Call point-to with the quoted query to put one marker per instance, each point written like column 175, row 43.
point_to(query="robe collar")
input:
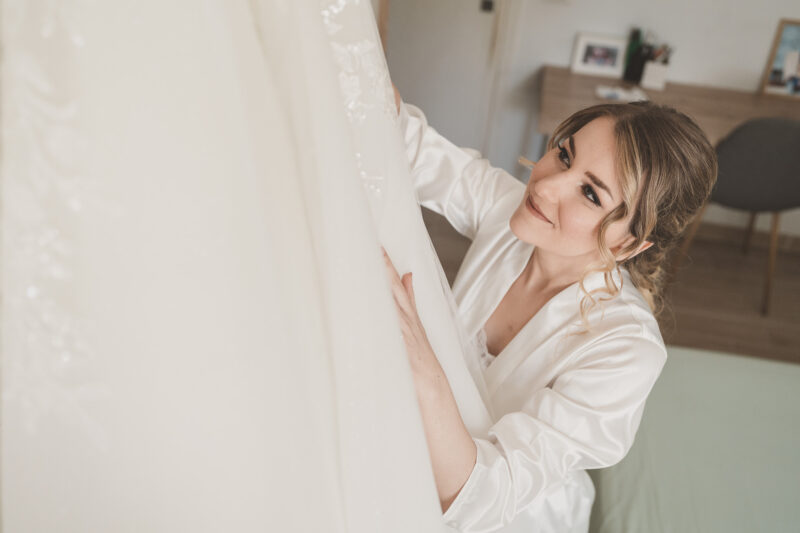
column 555, row 315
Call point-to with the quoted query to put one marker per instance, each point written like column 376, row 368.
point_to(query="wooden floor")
column 715, row 300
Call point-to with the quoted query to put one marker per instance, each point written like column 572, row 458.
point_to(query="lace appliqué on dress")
column 49, row 340
column 365, row 85
column 486, row 357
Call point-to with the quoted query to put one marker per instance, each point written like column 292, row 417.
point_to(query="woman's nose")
column 549, row 187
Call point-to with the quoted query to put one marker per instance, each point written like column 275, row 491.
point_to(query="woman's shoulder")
column 624, row 322
column 634, row 302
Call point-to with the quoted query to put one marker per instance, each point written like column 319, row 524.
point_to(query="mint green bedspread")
column 718, row 449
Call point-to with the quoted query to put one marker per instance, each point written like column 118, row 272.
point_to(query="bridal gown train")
column 197, row 329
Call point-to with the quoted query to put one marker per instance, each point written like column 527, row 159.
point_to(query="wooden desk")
column 716, row 111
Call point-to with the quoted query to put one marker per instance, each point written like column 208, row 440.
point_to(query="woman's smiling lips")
column 534, row 209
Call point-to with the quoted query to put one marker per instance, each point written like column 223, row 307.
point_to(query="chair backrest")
column 759, row 166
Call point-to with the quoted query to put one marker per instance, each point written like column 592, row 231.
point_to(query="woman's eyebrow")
column 597, row 181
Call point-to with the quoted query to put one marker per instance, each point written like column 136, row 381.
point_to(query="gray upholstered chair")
column 759, row 170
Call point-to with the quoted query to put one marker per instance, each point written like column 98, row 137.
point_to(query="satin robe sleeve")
column 455, row 182
column 587, row 419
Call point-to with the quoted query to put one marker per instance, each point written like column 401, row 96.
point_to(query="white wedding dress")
column 197, row 328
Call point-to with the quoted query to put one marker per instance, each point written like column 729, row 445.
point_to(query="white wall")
column 439, row 54
column 440, row 57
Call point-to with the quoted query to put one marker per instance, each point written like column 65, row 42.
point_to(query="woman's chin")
column 520, row 227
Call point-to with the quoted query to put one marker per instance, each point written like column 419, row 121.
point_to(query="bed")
column 718, row 449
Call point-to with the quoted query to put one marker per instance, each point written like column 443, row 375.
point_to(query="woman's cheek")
column 578, row 226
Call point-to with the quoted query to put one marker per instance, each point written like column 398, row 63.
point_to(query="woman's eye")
column 563, row 155
column 588, row 191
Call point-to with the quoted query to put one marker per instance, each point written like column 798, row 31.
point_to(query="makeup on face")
column 589, row 191
column 567, row 188
column 534, row 209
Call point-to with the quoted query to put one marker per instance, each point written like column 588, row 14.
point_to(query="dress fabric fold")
column 198, row 331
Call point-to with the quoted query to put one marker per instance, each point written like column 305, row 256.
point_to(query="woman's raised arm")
column 455, row 182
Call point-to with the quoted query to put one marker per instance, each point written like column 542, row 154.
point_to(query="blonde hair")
column 667, row 168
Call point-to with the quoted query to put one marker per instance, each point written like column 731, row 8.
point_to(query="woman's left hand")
column 419, row 350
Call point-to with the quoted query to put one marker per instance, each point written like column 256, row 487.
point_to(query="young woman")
column 562, row 284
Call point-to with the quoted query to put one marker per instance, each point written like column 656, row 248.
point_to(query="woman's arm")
column 452, row 450
column 455, row 182
column 450, row 445
column 587, row 419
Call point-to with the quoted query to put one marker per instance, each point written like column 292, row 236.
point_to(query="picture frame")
column 781, row 76
column 599, row 55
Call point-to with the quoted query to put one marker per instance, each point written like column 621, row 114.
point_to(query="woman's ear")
column 639, row 249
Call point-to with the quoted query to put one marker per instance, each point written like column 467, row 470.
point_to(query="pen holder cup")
column 654, row 76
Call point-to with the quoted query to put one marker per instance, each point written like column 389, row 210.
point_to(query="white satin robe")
column 560, row 404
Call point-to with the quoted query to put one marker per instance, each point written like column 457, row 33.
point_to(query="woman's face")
column 575, row 186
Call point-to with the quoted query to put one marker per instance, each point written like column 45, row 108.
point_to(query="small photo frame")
column 782, row 74
column 599, row 55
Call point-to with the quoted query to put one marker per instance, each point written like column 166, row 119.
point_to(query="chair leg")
column 749, row 234
column 687, row 241
column 773, row 250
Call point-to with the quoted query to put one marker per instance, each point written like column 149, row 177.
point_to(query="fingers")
column 401, row 287
column 394, row 277
column 403, row 291
column 397, row 99
column 408, row 283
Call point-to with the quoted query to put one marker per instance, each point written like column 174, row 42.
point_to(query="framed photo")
column 782, row 75
column 600, row 55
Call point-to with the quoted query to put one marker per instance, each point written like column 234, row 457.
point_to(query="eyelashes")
column 563, row 155
column 588, row 190
column 594, row 199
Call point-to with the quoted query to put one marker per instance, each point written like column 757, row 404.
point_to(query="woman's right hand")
column 397, row 99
